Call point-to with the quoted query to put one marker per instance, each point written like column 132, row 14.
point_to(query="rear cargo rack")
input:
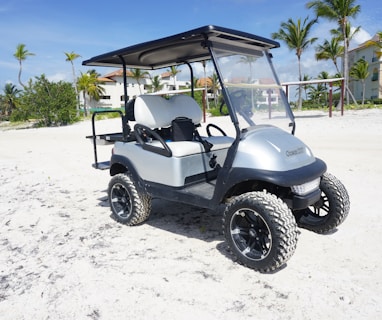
column 106, row 138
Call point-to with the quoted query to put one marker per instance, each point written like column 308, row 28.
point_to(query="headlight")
column 307, row 187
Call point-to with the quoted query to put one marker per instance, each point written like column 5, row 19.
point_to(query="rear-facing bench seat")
column 161, row 160
column 154, row 112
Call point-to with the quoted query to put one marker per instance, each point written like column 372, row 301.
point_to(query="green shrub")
column 51, row 103
column 215, row 111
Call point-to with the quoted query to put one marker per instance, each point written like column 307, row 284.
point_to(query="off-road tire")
column 260, row 230
column 128, row 206
column 330, row 211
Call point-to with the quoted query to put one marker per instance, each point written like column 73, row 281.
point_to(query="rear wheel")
column 328, row 212
column 260, row 230
column 128, row 206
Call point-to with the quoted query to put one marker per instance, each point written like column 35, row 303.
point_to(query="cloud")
column 12, row 65
column 322, row 29
column 59, row 76
column 361, row 36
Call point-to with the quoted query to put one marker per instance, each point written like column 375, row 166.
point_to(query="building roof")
column 266, row 81
column 166, row 74
column 365, row 44
column 105, row 79
column 117, row 73
column 203, row 82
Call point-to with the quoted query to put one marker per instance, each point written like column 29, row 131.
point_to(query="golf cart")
column 265, row 181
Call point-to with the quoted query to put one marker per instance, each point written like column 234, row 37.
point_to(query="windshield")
column 252, row 87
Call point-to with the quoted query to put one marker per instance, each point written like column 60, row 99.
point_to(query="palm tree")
column 249, row 60
column 360, row 71
column 350, row 32
column 330, row 51
column 173, row 72
column 21, row 54
column 197, row 83
column 316, row 92
column 90, row 86
column 83, row 84
column 322, row 76
column 10, row 97
column 96, row 90
column 204, row 64
column 156, row 84
column 306, row 86
column 138, row 75
column 296, row 37
column 71, row 57
column 214, row 86
column 376, row 43
column 340, row 11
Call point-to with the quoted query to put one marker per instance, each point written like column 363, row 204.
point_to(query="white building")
column 114, row 89
column 373, row 83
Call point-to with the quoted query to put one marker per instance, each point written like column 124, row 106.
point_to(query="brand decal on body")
column 295, row 152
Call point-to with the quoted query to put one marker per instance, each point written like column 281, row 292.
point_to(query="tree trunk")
column 85, row 108
column 300, row 86
column 76, row 90
column 363, row 91
column 20, row 70
column 345, row 62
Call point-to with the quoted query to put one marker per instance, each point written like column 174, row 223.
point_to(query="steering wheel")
column 238, row 94
column 221, row 109
column 211, row 125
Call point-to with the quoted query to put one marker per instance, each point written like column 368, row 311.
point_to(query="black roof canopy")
column 177, row 49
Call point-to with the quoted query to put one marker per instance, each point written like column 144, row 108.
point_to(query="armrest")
column 143, row 133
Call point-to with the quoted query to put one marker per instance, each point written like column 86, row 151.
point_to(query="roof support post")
column 342, row 97
column 125, row 125
column 192, row 78
column 330, row 98
column 192, row 91
column 124, row 82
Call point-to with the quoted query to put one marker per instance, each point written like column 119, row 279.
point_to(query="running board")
column 105, row 165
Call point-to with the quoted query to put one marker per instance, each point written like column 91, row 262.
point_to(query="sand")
column 62, row 256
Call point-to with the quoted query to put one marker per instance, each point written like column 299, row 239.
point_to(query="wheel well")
column 257, row 185
column 117, row 168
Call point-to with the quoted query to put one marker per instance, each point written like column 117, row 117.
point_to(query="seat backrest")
column 157, row 112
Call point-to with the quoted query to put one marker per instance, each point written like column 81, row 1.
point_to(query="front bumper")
column 299, row 202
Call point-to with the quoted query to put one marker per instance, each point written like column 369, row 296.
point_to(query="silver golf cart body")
column 265, row 179
column 259, row 151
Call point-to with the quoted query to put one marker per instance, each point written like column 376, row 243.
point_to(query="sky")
column 89, row 28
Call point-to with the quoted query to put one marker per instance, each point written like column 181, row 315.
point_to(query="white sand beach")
column 62, row 256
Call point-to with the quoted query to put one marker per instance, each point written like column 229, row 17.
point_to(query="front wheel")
column 328, row 212
column 128, row 206
column 260, row 230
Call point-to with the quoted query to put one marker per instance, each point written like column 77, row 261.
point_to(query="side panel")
column 170, row 171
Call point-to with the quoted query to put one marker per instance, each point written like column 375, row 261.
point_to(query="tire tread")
column 283, row 222
column 141, row 203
